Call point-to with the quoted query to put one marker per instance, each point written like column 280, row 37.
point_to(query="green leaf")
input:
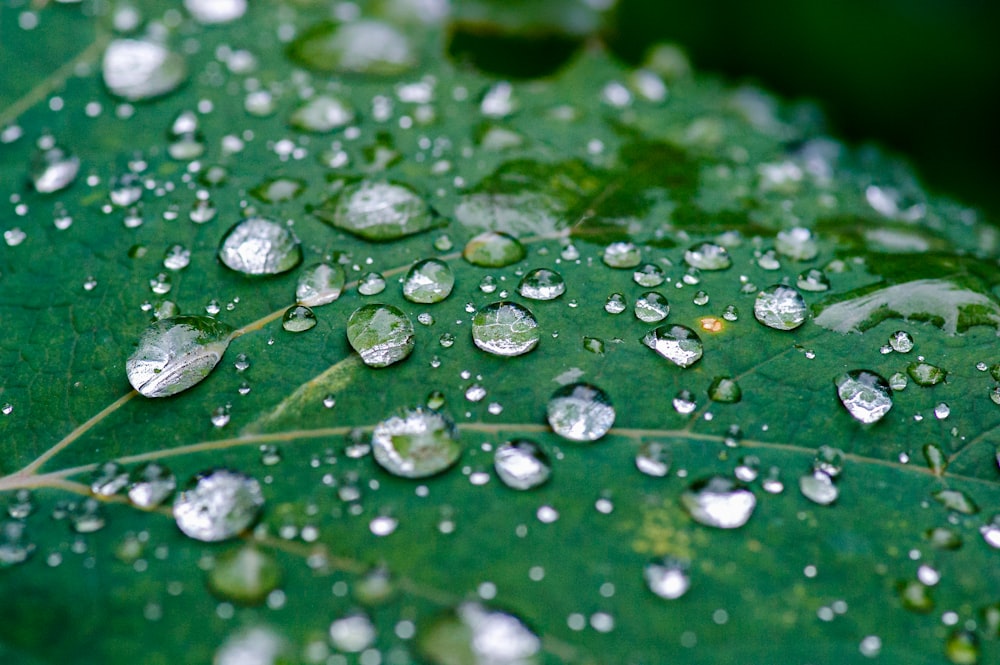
column 726, row 480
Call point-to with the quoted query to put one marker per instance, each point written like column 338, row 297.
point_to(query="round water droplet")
column 580, row 412
column 174, row 354
column 780, row 307
column 813, row 280
column 177, row 257
column 53, row 169
column 493, row 249
column 363, row 47
column 245, row 575
column 15, row 547
column 416, row 443
column 522, row 464
column 653, row 458
column 962, row 648
column 320, row 284
column 381, row 334
column 818, row 487
column 621, row 255
column 278, row 190
column 720, row 502
column 925, row 374
column 668, row 578
column 353, row 633
column 865, row 395
column 218, row 505
column 708, row 256
column 615, row 304
column 428, row 281
column 797, row 244
column 505, row 329
column 138, row 70
column 725, row 389
column 258, row 246
column 541, row 284
column 212, row 12
column 991, row 532
column 678, row 344
column 87, row 516
column 475, row 635
column 378, row 211
column 901, row 342
column 371, row 284
column 298, row 318
column 323, row 113
column 649, row 275
column 651, row 307
column 150, row 485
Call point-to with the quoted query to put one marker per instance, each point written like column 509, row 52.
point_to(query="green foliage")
column 597, row 153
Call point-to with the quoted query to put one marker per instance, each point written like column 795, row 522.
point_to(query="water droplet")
column 925, row 374
column 202, row 212
column 258, row 246
column 87, row 516
column 621, row 255
column 138, row 70
column 428, row 281
column 748, row 469
column 298, row 318
column 177, row 257
column 505, row 329
column 371, row 284
column 185, row 140
column 320, row 284
column 21, row 504
column 492, row 249
column 615, row 304
column 943, row 539
column 678, row 344
column 937, row 460
column 700, row 298
column 768, row 260
column 499, row 101
column 378, row 211
column 212, row 12
column 416, row 443
column 708, row 256
column 915, row 596
column 15, row 547
column 150, row 485
column 719, row 502
column 797, row 244
column 725, row 389
column 363, row 47
column 594, row 345
column 813, row 280
column 176, row 353
column 962, row 648
column 521, row 464
column 381, row 334
column 649, row 275
column 541, row 284
column 53, row 169
column 245, row 575
column 278, row 190
column 956, row 500
column 668, row 578
column 161, row 284
column 818, row 487
column 653, row 459
column 780, row 307
column 580, row 412
column 353, row 633
column 901, row 342
column 474, row 634
column 323, row 113
column 865, row 395
column 991, row 532
column 108, row 479
column 218, row 505
column 651, row 307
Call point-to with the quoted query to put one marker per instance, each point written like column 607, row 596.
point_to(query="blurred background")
column 920, row 77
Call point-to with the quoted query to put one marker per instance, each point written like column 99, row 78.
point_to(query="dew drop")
column 615, row 304
column 352, row 634
column 381, row 334
column 218, row 505
column 322, row 114
column 15, row 547
column 108, row 479
column 245, row 575
column 138, row 70
column 813, row 280
column 416, row 443
column 725, row 390
column 371, row 284
column 901, row 342
column 925, row 374
column 719, row 502
column 819, row 488
column 174, row 354
column 320, row 284
column 258, row 246
column 797, row 243
column 521, row 464
column 621, row 255
column 541, row 284
column 428, row 281
column 580, row 412
column 493, row 249
column 678, row 344
column 668, row 578
column 472, row 634
column 53, row 169
column 651, row 307
column 653, row 459
column 648, row 276
column 780, row 307
column 150, row 484
column 708, row 256
column 962, row 648
column 213, row 12
column 378, row 211
column 298, row 318
column 505, row 329
column 865, row 395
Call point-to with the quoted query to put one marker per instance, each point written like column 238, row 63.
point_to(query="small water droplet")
column 380, row 334
column 648, row 276
column 621, row 255
column 865, row 395
column 797, row 243
column 522, row 464
column 901, row 342
column 956, row 500
column 780, row 307
column 218, row 505
column 813, row 280
column 819, row 488
column 298, row 318
column 653, row 458
column 668, row 578
column 371, row 284
column 615, row 304
column 428, row 281
column 108, row 479
column 580, row 412
column 719, row 502
column 322, row 114
column 962, row 648
column 651, row 307
column 363, row 47
column 176, row 353
column 708, row 256
column 541, row 284
column 416, row 443
column 353, row 633
column 53, row 169
column 493, row 249
column 15, row 547
column 924, row 374
column 678, row 344
column 320, row 284
column 505, row 329
column 87, row 516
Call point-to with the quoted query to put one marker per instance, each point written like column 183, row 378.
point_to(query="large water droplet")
column 667, row 578
column 364, row 47
column 378, row 211
column 258, row 246
column 53, row 169
column 416, row 443
column 475, row 635
column 176, row 353
column 865, row 395
column 138, row 69
column 678, row 344
column 428, row 281
column 720, row 502
column 580, row 412
column 505, row 329
column 245, row 575
column 708, row 256
column 493, row 249
column 323, row 113
column 522, row 464
column 320, row 284
column 541, row 284
column 780, row 307
column 381, row 334
column 218, row 505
